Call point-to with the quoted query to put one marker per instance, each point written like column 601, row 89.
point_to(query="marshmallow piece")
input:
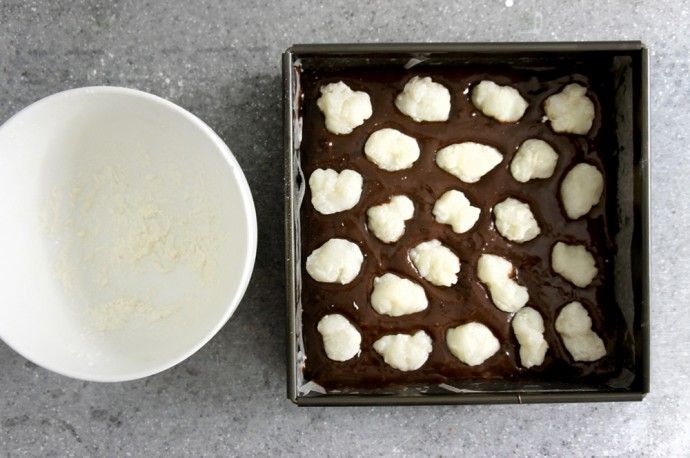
column 336, row 261
column 387, row 221
column 515, row 221
column 581, row 190
column 403, row 351
column 472, row 343
column 455, row 209
column 570, row 110
column 397, row 296
column 528, row 326
column 503, row 103
column 436, row 263
column 468, row 161
column 424, row 100
column 341, row 340
column 343, row 108
column 534, row 159
column 575, row 327
column 333, row 192
column 391, row 150
column 574, row 263
column 497, row 274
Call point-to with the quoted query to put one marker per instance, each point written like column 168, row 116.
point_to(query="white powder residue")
column 117, row 313
column 131, row 246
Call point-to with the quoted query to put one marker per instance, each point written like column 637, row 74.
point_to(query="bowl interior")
column 128, row 235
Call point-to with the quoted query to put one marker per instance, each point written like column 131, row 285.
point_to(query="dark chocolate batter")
column 467, row 300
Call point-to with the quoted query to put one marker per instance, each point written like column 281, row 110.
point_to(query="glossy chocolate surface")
column 468, row 299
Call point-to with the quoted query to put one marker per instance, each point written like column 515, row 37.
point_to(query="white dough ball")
column 333, row 192
column 336, row 261
column 515, row 221
column 424, row 100
column 403, row 351
column 341, row 340
column 436, row 263
column 503, row 103
column 343, row 108
column 574, row 263
column 528, row 326
column 497, row 274
column 570, row 110
column 391, row 150
column 534, row 159
column 397, row 296
column 387, row 221
column 472, row 343
column 581, row 190
column 575, row 327
column 455, row 209
column 468, row 161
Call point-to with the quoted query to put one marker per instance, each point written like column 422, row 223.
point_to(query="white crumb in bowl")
column 387, row 221
column 341, row 339
column 570, row 111
column 575, row 328
column 391, row 150
column 455, row 209
column 336, row 261
column 436, row 263
column 574, row 263
column 472, row 343
column 343, row 108
column 534, row 159
column 403, row 351
column 515, row 221
column 528, row 326
column 397, row 296
column 424, row 100
column 503, row 103
column 581, row 190
column 333, row 192
column 497, row 274
column 468, row 161
column 118, row 313
column 118, row 236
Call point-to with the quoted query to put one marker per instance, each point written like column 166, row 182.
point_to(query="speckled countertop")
column 221, row 61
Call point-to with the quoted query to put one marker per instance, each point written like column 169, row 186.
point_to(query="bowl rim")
column 249, row 211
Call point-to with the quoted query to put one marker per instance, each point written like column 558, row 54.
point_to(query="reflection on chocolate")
column 424, row 183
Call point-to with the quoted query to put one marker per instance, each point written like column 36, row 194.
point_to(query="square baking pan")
column 627, row 63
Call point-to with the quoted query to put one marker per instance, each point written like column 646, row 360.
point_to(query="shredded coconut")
column 119, row 234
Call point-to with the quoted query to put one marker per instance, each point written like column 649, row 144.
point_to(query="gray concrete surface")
column 221, row 61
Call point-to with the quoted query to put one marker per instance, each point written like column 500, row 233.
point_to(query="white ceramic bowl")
column 127, row 233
